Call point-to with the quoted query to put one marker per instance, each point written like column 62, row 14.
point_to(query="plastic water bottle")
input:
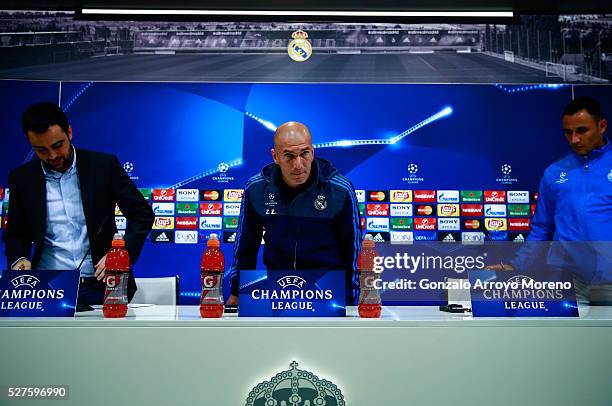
column 212, row 266
column 116, row 276
column 369, row 296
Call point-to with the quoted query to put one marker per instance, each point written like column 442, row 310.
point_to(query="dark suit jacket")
column 103, row 183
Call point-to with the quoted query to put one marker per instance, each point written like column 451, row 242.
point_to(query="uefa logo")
column 129, row 169
column 413, row 169
column 506, row 179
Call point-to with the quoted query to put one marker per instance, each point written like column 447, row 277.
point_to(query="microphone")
column 95, row 240
column 297, row 235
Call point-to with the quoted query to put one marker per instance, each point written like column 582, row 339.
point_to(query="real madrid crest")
column 320, row 203
column 299, row 48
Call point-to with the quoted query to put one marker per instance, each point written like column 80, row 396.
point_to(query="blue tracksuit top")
column 575, row 204
column 317, row 227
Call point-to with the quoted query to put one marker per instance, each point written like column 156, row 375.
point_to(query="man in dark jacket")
column 308, row 210
column 63, row 203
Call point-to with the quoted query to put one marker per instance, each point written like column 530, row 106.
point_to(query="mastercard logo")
column 472, row 224
column 377, row 196
column 211, row 195
column 425, row 210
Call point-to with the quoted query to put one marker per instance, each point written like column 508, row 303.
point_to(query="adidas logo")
column 449, row 238
column 378, row 238
column 519, row 238
column 232, row 238
column 162, row 238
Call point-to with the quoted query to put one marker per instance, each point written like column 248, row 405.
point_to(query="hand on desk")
column 499, row 267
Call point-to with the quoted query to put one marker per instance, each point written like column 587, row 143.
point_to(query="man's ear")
column 603, row 125
column 69, row 133
column 274, row 156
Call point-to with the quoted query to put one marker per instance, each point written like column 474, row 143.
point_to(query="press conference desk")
column 163, row 355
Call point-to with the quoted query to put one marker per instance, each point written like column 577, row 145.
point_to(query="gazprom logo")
column 291, row 280
column 25, row 280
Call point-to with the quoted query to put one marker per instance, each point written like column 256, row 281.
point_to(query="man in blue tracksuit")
column 575, row 201
column 307, row 209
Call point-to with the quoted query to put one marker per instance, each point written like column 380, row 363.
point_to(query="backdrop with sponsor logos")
column 452, row 163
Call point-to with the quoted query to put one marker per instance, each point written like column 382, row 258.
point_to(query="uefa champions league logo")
column 610, row 175
column 506, row 170
column 222, row 168
column 412, row 169
column 563, row 178
column 129, row 168
column 295, row 387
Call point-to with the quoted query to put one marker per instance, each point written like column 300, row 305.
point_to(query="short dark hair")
column 584, row 103
column 39, row 117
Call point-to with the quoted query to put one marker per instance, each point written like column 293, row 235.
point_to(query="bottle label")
column 212, row 283
column 116, row 288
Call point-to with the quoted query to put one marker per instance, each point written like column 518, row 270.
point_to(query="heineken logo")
column 295, row 387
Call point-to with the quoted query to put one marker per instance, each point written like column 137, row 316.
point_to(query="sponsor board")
column 4, row 222
column 448, row 196
column 472, row 210
column 533, row 209
column 163, row 223
column 377, row 224
column 498, row 235
column 211, row 209
column 210, row 195
column 519, row 210
column 471, row 237
column 424, row 224
column 449, row 237
column 448, row 210
column 495, row 210
column 230, row 223
column 425, row 236
column 231, row 209
column 400, row 196
column 163, row 209
column 377, row 209
column 229, row 237
column 401, row 210
column 120, row 222
column 187, row 209
column 187, row 195
column 496, row 224
column 401, row 223
column 186, row 237
column 468, row 196
column 232, row 195
column 424, row 196
column 402, row 237
column 186, row 223
column 519, row 224
column 449, row 224
column 380, row 237
column 360, row 194
column 425, row 210
column 517, row 196
column 495, row 196
column 146, row 193
column 162, row 236
column 377, row 196
column 518, row 237
column 1, row 194
column 361, row 209
column 534, row 197
column 163, row 195
column 211, row 223
column 473, row 224
column 118, row 211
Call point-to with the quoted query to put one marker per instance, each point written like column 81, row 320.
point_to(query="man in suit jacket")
column 63, row 204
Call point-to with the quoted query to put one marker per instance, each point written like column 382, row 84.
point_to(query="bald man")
column 308, row 210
